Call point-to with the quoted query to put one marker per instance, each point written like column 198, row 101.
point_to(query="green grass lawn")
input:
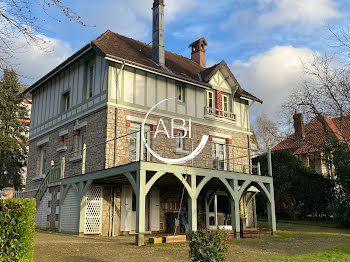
column 292, row 242
column 341, row 253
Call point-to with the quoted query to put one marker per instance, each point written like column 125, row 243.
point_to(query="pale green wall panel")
column 191, row 107
column 140, row 87
column 98, row 75
column 128, row 85
column 161, row 92
column 151, row 90
column 171, row 94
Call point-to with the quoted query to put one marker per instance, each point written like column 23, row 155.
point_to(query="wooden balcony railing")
column 217, row 113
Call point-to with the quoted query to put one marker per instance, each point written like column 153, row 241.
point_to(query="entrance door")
column 154, row 210
column 93, row 213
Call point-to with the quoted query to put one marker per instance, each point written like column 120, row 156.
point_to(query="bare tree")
column 25, row 18
column 325, row 90
column 266, row 132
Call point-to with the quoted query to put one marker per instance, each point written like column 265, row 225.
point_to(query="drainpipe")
column 116, row 114
column 248, row 128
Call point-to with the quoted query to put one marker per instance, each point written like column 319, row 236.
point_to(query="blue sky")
column 262, row 40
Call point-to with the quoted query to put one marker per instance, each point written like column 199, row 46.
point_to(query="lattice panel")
column 93, row 214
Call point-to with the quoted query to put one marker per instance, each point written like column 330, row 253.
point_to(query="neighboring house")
column 88, row 182
column 305, row 143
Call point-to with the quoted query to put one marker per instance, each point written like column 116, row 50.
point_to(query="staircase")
column 54, row 175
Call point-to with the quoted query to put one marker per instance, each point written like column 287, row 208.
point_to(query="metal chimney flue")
column 158, row 52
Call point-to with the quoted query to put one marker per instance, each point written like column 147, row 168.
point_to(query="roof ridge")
column 170, row 52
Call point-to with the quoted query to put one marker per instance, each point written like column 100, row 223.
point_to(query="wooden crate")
column 155, row 240
column 174, row 239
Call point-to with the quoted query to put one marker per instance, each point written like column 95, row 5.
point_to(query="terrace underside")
column 196, row 182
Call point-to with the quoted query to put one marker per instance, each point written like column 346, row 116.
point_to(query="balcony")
column 213, row 113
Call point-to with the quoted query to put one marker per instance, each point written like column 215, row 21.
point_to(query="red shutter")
column 218, row 100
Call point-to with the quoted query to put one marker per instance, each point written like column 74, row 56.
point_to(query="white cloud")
column 174, row 9
column 32, row 62
column 132, row 18
column 303, row 12
column 272, row 75
column 296, row 15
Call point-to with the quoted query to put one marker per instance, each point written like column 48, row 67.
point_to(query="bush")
column 341, row 210
column 17, row 226
column 208, row 246
column 299, row 191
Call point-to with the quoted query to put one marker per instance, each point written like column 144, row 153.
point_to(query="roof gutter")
column 251, row 100
column 59, row 68
column 155, row 71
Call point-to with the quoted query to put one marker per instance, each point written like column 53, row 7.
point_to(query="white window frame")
column 90, row 83
column 43, row 159
column 81, row 142
column 208, row 101
column 227, row 105
column 216, row 144
column 180, row 92
column 180, row 140
column 136, row 127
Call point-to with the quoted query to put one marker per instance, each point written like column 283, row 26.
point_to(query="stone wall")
column 237, row 158
column 94, row 138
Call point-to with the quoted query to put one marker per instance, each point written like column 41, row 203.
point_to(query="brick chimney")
column 198, row 51
column 299, row 125
column 158, row 53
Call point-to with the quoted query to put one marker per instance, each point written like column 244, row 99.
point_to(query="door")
column 126, row 209
column 154, row 210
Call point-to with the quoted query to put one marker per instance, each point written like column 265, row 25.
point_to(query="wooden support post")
column 82, row 200
column 140, row 205
column 259, row 169
column 141, row 148
column 83, row 160
column 271, row 209
column 63, row 165
column 192, row 205
column 236, row 225
column 206, row 212
column 269, row 161
column 216, row 210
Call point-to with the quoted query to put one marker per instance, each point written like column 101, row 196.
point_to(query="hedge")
column 17, row 226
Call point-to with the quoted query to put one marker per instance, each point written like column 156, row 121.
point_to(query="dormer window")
column 180, row 92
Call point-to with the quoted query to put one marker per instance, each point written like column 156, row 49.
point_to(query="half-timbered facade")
column 88, row 166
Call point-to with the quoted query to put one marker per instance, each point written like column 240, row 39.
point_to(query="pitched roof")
column 208, row 73
column 141, row 53
column 117, row 46
column 316, row 132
